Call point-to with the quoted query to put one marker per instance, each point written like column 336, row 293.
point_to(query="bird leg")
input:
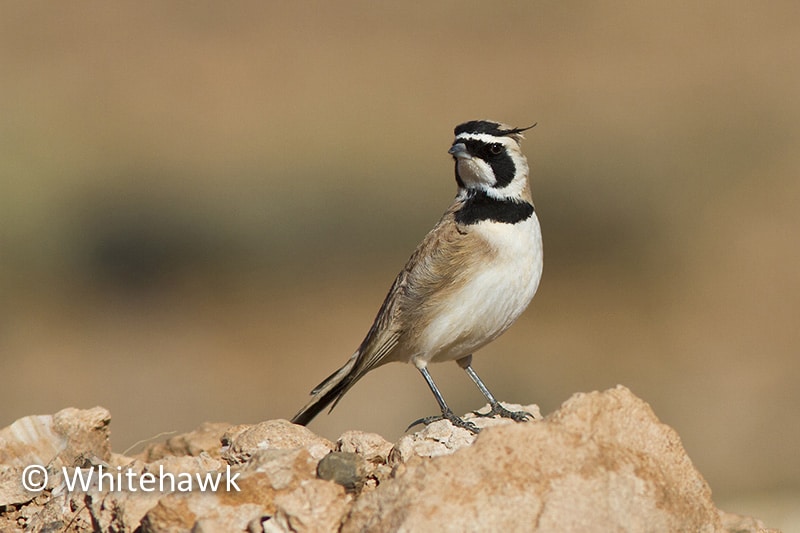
column 496, row 408
column 447, row 413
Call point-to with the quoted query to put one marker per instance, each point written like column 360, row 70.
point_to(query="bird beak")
column 459, row 151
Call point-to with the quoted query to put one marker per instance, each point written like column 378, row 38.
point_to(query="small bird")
column 469, row 279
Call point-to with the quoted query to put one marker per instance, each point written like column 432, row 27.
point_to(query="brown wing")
column 439, row 265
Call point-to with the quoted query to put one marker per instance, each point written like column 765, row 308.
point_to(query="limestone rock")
column 443, row 438
column 316, row 505
column 734, row 523
column 186, row 464
column 206, row 438
column 242, row 442
column 603, row 462
column 64, row 436
column 276, row 487
column 371, row 446
column 62, row 439
column 375, row 452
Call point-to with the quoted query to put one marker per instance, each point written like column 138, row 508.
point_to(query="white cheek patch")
column 475, row 172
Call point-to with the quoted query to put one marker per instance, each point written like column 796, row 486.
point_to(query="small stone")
column 345, row 468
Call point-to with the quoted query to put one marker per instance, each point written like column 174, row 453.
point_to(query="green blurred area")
column 202, row 207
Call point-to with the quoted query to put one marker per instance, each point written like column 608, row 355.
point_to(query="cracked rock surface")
column 602, row 462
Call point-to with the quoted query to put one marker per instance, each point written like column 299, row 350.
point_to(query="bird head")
column 488, row 157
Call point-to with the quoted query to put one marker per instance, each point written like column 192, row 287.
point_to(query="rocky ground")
column 603, row 462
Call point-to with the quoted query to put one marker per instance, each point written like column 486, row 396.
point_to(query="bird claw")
column 449, row 416
column 499, row 410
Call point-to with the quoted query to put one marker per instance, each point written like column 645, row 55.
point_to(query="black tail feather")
column 319, row 403
column 328, row 392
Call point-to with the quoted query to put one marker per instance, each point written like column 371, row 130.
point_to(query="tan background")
column 203, row 205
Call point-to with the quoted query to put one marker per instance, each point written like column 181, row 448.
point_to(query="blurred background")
column 202, row 207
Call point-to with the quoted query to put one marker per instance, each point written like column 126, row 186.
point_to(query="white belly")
column 492, row 299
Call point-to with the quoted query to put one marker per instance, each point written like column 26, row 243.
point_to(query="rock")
column 278, row 486
column 206, row 438
column 241, row 442
column 117, row 508
column 371, row 446
column 316, row 505
column 603, row 462
column 64, row 436
column 443, row 438
column 185, row 465
column 62, row 439
column 375, row 451
column 734, row 523
column 344, row 468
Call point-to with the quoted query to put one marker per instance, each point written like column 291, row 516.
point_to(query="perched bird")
column 469, row 279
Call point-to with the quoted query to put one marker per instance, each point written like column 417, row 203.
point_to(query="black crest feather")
column 489, row 127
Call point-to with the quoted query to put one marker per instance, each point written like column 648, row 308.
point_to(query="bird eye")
column 496, row 148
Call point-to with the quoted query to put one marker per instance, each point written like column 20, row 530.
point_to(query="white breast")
column 493, row 298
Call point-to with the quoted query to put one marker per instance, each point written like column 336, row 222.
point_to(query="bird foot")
column 497, row 409
column 449, row 416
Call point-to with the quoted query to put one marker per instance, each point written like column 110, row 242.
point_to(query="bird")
column 465, row 284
